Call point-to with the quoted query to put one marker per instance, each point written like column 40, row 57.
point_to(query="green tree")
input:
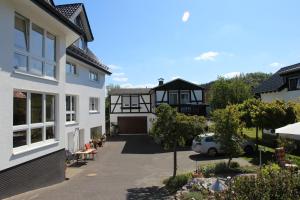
column 227, row 124
column 175, row 128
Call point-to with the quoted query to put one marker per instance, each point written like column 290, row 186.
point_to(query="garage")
column 132, row 125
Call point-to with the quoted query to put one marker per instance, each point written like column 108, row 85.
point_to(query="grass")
column 268, row 154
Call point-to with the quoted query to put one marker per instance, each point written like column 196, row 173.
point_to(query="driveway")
column 127, row 167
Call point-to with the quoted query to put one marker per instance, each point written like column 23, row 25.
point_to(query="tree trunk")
column 229, row 161
column 256, row 139
column 175, row 158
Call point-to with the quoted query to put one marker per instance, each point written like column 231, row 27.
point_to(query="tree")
column 227, row 124
column 175, row 128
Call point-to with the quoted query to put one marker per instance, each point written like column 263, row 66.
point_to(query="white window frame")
column 43, row 125
column 73, row 72
column 71, row 111
column 173, row 93
column 29, row 55
column 186, row 93
column 93, row 74
column 94, row 101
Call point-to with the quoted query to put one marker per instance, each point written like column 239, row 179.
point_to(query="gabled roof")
column 277, row 81
column 178, row 84
column 68, row 9
column 87, row 57
column 124, row 91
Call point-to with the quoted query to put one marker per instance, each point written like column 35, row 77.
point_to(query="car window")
column 209, row 139
column 198, row 138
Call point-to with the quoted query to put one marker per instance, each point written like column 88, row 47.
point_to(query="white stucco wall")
column 84, row 88
column 10, row 81
column 281, row 95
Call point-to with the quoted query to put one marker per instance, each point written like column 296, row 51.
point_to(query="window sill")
column 35, row 76
column 94, row 112
column 71, row 123
column 31, row 147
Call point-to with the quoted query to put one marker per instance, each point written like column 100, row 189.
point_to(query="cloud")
column 175, row 77
column 276, row 64
column 119, row 77
column 114, row 67
column 231, row 74
column 185, row 16
column 146, row 85
column 207, row 56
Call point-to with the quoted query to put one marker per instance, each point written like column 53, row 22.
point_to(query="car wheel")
column 248, row 150
column 212, row 152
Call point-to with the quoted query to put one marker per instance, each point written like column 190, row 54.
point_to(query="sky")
column 197, row 40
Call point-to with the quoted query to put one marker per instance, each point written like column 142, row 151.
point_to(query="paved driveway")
column 128, row 167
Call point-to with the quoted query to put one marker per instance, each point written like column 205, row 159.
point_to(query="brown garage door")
column 132, row 125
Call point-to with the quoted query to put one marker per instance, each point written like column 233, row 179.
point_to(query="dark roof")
column 119, row 91
column 68, row 9
column 178, row 84
column 59, row 16
column 87, row 57
column 277, row 81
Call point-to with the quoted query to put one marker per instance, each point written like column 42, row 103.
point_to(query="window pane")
column 37, row 40
column 50, row 47
column 20, row 62
column 73, row 103
column 21, row 37
column 184, row 98
column 50, row 108
column 50, row 70
column 49, row 133
column 19, row 138
column 126, row 101
column 173, row 98
column 20, row 108
column 74, row 117
column 134, row 101
column 36, row 108
column 36, row 67
column 36, row 135
column 68, row 117
column 68, row 103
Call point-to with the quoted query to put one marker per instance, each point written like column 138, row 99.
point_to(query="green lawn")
column 268, row 155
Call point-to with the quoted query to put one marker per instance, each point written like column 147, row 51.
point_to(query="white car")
column 206, row 144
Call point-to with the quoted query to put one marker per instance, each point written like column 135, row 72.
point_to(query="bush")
column 174, row 184
column 193, row 195
column 273, row 184
column 269, row 169
column 222, row 168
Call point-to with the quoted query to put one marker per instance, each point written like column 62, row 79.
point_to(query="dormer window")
column 294, row 83
column 80, row 43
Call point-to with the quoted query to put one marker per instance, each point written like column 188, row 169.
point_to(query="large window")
column 173, row 98
column 71, row 109
column 294, row 83
column 94, row 104
column 37, row 57
column 125, row 101
column 93, row 76
column 71, row 69
column 134, row 101
column 33, row 117
column 184, row 97
column 130, row 101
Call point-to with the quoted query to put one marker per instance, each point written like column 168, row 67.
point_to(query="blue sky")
column 197, row 40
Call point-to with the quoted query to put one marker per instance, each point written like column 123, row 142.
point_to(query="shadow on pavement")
column 147, row 193
column 140, row 144
column 201, row 157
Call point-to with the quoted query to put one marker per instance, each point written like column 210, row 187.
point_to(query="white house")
column 283, row 85
column 133, row 109
column 52, row 91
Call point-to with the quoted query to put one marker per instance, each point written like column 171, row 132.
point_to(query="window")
column 96, row 133
column 184, row 97
column 94, row 104
column 209, row 139
column 125, row 101
column 134, row 101
column 71, row 109
column 38, row 58
column 173, row 98
column 93, row 76
column 294, row 83
column 71, row 69
column 29, row 125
